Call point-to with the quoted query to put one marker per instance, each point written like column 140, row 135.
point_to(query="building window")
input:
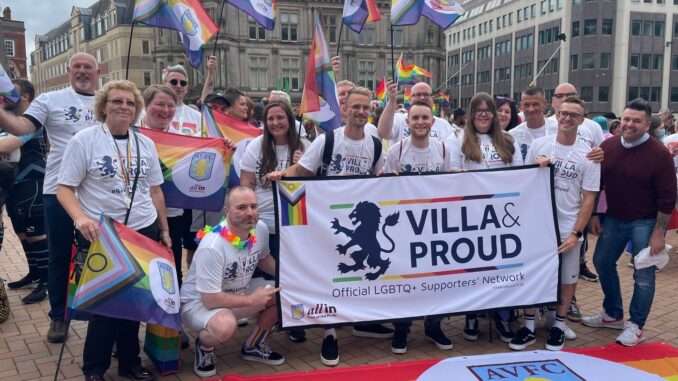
column 533, row 11
column 655, row 94
column 603, row 94
column 397, row 37
column 590, row 27
column 645, row 61
column 659, row 29
column 543, row 7
column 647, row 28
column 588, row 61
column 9, row 48
column 674, row 63
column 635, row 28
column 145, row 47
column 290, row 25
column 366, row 37
column 330, row 23
column 575, row 29
column 586, row 94
column 604, row 61
column 366, row 74
column 657, row 61
column 257, row 32
column 290, row 71
column 147, row 78
column 674, row 94
column 574, row 62
column 607, row 27
column 258, row 73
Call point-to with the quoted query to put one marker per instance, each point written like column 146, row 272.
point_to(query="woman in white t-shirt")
column 484, row 145
column 110, row 169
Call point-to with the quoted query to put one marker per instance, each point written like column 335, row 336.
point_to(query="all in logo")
column 166, row 277
column 297, row 311
column 544, row 370
column 322, row 311
column 201, row 166
column 366, row 218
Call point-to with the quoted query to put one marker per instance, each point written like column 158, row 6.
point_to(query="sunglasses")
column 175, row 82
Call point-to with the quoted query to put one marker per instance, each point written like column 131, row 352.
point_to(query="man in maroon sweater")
column 639, row 178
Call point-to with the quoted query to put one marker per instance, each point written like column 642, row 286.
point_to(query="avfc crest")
column 166, row 277
column 297, row 311
column 201, row 165
column 189, row 23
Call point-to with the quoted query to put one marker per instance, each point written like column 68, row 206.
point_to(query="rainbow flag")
column 443, row 99
column 406, row 98
column 292, row 204
column 381, row 91
column 357, row 12
column 195, row 169
column 262, row 11
column 319, row 101
column 187, row 17
column 7, row 89
column 407, row 75
column 128, row 276
column 442, row 12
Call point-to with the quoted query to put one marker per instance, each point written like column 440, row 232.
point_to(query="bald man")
column 62, row 113
column 588, row 131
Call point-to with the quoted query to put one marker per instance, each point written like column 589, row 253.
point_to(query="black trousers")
column 103, row 332
column 176, row 232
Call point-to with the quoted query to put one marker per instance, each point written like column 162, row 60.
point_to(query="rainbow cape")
column 195, row 169
column 262, row 11
column 381, row 91
column 128, row 276
column 187, row 17
column 7, row 89
column 406, row 98
column 407, row 75
column 319, row 101
column 442, row 12
column 356, row 13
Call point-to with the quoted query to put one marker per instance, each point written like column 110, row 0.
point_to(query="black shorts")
column 26, row 209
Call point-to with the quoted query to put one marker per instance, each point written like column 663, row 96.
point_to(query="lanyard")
column 125, row 170
column 82, row 105
column 546, row 131
column 567, row 157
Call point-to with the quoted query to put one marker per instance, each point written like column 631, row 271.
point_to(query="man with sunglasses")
column 63, row 113
column 186, row 120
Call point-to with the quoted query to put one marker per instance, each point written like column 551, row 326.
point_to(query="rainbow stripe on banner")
column 292, row 204
column 434, row 200
column 128, row 276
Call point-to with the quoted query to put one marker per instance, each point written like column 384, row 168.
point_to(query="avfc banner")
column 370, row 249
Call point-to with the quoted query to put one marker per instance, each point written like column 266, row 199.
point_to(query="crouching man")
column 219, row 288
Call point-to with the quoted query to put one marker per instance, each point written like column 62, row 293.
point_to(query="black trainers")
column 556, row 339
column 37, row 295
column 399, row 341
column 261, row 353
column 185, row 341
column 524, row 338
column 204, row 364
column 436, row 335
column 329, row 353
column 58, row 331
column 471, row 329
column 504, row 331
column 376, row 331
column 586, row 274
column 298, row 335
column 23, row 282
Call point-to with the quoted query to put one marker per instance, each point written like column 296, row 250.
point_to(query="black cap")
column 216, row 96
column 459, row 112
column 609, row 115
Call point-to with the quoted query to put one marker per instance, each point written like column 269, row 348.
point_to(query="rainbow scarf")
column 357, row 13
column 407, row 75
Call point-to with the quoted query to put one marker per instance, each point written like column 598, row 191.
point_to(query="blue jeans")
column 616, row 233
column 60, row 239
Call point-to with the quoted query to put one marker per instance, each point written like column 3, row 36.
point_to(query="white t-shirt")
column 91, row 164
column 403, row 157
column 219, row 267
column 490, row 157
column 349, row 157
column 251, row 162
column 588, row 131
column 441, row 128
column 573, row 173
column 63, row 113
column 525, row 136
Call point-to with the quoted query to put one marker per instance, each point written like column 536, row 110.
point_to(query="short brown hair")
column 153, row 90
column 359, row 90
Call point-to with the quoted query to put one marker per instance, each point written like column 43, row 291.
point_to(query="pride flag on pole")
column 319, row 101
column 128, row 276
column 194, row 169
column 381, row 91
column 357, row 12
column 187, row 17
column 442, row 12
column 262, row 11
column 7, row 89
column 407, row 75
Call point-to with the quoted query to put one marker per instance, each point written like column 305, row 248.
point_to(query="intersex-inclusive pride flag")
column 128, row 276
column 194, row 169
column 381, row 91
column 357, row 12
column 263, row 11
column 319, row 101
column 442, row 12
column 7, row 89
column 187, row 17
column 407, row 75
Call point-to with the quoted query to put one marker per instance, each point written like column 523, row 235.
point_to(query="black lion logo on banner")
column 368, row 215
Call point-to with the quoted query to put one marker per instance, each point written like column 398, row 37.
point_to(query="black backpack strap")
column 327, row 153
column 377, row 153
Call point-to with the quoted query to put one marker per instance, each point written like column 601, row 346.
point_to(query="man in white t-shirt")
column 219, row 288
column 533, row 103
column 354, row 153
column 576, row 182
column 588, row 131
column 186, row 120
column 393, row 126
column 63, row 113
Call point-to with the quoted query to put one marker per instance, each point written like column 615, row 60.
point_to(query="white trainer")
column 631, row 336
column 603, row 320
column 569, row 333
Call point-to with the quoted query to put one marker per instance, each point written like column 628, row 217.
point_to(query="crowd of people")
column 614, row 177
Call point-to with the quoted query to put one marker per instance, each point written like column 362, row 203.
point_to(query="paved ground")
column 26, row 355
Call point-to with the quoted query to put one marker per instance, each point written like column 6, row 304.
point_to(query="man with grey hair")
column 186, row 120
column 62, row 113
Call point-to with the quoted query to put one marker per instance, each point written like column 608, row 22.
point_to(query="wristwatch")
column 579, row 234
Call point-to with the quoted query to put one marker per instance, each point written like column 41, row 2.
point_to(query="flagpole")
column 392, row 54
column 448, row 78
column 221, row 17
column 129, row 49
column 341, row 29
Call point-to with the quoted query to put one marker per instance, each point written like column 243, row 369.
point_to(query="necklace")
column 125, row 170
column 222, row 230
column 85, row 110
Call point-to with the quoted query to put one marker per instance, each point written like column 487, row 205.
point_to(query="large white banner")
column 371, row 249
